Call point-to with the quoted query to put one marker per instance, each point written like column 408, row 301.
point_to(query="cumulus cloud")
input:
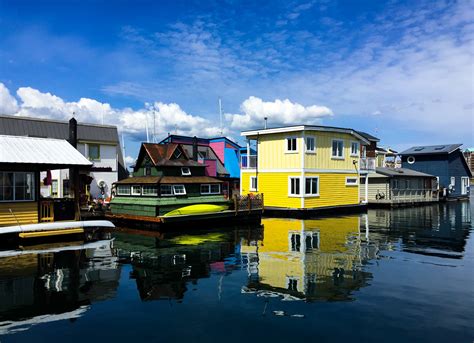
column 278, row 112
column 129, row 160
column 160, row 118
column 8, row 104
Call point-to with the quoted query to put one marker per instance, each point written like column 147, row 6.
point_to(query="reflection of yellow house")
column 306, row 258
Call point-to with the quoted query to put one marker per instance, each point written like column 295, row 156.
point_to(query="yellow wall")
column 272, row 151
column 332, row 189
column 25, row 213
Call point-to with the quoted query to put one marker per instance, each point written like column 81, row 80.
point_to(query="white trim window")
column 136, row 190
column 185, row 171
column 179, row 190
column 291, row 144
column 166, row 190
column 355, row 149
column 353, row 181
column 17, row 186
column 310, row 143
column 211, row 188
column 123, row 190
column 453, row 181
column 464, row 185
column 294, row 186
column 337, row 149
column 311, row 186
column 150, row 190
column 253, row 183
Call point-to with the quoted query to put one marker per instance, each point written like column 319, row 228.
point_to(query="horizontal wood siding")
column 25, row 213
column 333, row 191
column 322, row 159
column 271, row 152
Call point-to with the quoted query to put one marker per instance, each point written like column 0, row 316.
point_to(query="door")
column 464, row 185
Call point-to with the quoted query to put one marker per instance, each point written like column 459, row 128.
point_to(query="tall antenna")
column 220, row 116
column 154, row 126
column 146, row 127
column 123, row 147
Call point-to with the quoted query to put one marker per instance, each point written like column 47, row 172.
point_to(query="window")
column 166, row 190
column 292, row 284
column 66, row 190
column 177, row 153
column 211, row 189
column 291, row 144
column 453, row 181
column 54, row 188
column 354, row 148
column 411, row 159
column 338, row 148
column 295, row 242
column 94, row 152
column 310, row 144
column 294, row 186
column 123, row 190
column 136, row 190
column 179, row 190
column 253, row 183
column 185, row 171
column 18, row 186
column 312, row 186
column 147, row 171
column 149, row 190
column 351, row 181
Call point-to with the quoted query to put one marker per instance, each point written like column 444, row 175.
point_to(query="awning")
column 41, row 152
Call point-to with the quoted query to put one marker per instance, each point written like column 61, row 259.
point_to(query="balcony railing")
column 248, row 161
column 367, row 163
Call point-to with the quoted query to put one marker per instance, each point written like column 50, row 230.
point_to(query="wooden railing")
column 248, row 202
column 46, row 211
column 414, row 195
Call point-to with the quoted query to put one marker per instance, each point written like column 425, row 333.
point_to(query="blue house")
column 446, row 162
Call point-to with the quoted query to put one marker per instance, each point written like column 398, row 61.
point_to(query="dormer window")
column 185, row 171
column 177, row 154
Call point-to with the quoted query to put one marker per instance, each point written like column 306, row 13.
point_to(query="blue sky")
column 401, row 70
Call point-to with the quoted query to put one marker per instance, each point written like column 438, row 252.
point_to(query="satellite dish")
column 102, row 183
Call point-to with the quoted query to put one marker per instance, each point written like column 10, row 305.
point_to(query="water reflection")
column 54, row 282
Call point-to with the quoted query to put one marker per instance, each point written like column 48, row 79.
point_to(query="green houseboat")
column 170, row 186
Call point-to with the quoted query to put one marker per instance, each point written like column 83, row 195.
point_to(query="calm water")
column 403, row 275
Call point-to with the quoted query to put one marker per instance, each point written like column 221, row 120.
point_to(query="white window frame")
column 185, row 171
column 296, row 145
column 134, row 187
column 464, row 178
column 357, row 153
column 14, row 186
column 310, row 151
column 290, row 194
column 209, row 187
column 337, row 157
column 166, row 195
column 175, row 187
column 125, row 187
column 251, row 188
column 155, row 193
column 351, row 183
column 307, row 195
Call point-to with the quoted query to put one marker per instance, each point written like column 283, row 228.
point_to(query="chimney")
column 265, row 125
column 195, row 148
column 73, row 132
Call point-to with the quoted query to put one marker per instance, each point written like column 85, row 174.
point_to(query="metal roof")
column 45, row 128
column 368, row 136
column 30, row 150
column 431, row 149
column 394, row 172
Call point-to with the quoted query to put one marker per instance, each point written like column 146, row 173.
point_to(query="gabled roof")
column 161, row 155
column 40, row 151
column 394, row 172
column 431, row 149
column 297, row 128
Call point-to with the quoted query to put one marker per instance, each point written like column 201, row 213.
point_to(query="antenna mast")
column 146, row 127
column 220, row 115
column 154, row 126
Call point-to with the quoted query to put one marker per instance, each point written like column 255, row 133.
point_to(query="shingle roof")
column 160, row 155
column 394, row 172
column 41, row 151
column 142, row 180
column 431, row 149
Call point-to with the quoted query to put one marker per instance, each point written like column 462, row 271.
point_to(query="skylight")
column 419, row 149
column 440, row 147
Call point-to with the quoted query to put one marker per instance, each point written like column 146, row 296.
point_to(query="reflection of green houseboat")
column 170, row 186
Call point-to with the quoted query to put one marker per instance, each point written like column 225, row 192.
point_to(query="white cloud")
column 8, row 104
column 129, row 160
column 278, row 112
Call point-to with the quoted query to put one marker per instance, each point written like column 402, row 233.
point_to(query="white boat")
column 56, row 228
